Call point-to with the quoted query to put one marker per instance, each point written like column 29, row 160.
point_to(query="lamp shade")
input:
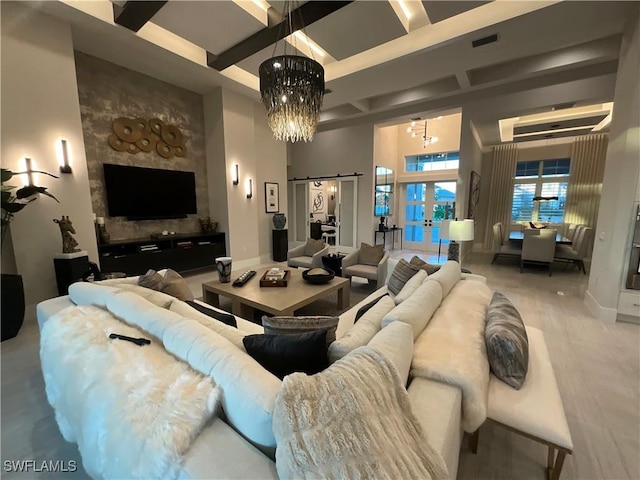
column 461, row 230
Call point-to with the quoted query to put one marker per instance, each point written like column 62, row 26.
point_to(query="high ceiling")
column 384, row 61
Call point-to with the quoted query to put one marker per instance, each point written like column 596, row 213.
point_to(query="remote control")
column 244, row 278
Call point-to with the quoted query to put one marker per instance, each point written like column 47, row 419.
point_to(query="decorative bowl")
column 318, row 276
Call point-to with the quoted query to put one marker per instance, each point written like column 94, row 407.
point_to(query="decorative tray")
column 275, row 283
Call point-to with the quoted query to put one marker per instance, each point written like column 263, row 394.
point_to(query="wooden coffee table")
column 274, row 300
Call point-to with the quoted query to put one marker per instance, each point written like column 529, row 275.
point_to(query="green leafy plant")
column 13, row 203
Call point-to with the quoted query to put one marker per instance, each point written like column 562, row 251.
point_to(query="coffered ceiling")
column 384, row 60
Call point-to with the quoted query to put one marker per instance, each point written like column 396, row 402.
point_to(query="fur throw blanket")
column 133, row 410
column 452, row 349
column 351, row 421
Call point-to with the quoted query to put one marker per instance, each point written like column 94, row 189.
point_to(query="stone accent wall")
column 108, row 91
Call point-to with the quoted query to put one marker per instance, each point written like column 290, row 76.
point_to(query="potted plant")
column 11, row 288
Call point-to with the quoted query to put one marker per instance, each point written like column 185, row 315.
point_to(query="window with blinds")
column 540, row 191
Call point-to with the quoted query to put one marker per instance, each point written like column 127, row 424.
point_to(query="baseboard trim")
column 604, row 314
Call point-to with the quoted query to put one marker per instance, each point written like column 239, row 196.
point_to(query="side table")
column 333, row 262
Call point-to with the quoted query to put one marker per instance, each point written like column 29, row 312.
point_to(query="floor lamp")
column 459, row 231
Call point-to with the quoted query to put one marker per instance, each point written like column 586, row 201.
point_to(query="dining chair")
column 578, row 250
column 499, row 246
column 538, row 246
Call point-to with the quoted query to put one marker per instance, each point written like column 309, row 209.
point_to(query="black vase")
column 12, row 307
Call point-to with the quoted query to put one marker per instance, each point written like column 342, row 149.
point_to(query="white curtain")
column 502, row 172
column 588, row 156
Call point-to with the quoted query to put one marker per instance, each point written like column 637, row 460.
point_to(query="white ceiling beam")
column 463, row 79
column 411, row 14
column 362, row 105
column 432, row 35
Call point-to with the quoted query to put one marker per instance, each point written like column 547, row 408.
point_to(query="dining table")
column 517, row 236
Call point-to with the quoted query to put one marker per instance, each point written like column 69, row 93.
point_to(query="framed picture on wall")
column 474, row 194
column 271, row 197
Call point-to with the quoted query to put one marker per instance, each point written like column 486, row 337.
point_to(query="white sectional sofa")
column 238, row 442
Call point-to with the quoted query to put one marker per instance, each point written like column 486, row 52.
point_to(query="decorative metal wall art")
column 141, row 135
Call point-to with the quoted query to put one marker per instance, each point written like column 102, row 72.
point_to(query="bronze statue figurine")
column 69, row 244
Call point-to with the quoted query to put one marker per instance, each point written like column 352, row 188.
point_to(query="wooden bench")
column 535, row 411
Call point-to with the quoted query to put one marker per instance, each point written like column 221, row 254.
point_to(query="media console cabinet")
column 180, row 252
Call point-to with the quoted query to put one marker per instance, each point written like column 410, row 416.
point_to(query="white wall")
column 470, row 160
column 611, row 252
column 39, row 107
column 343, row 151
column 237, row 133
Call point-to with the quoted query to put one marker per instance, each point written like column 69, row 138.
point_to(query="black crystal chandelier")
column 292, row 89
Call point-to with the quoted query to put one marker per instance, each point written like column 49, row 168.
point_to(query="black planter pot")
column 12, row 306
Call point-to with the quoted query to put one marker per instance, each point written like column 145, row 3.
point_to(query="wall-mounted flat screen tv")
column 147, row 193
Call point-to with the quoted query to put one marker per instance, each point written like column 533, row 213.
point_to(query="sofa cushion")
column 175, row 285
column 410, row 287
column 232, row 334
column 403, row 272
column 418, row 309
column 225, row 318
column 363, row 331
column 313, row 246
column 364, row 271
column 448, row 275
column 365, row 308
column 507, row 342
column 159, row 299
column 422, row 265
column 85, row 293
column 304, row 262
column 286, row 354
column 152, row 280
column 395, row 342
column 370, row 254
column 287, row 325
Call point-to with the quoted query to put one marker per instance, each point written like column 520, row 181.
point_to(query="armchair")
column 299, row 256
column 351, row 267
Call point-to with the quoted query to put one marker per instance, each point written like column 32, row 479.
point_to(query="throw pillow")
column 152, row 280
column 370, row 255
column 287, row 325
column 507, row 342
column 225, row 318
column 313, row 246
column 411, row 286
column 285, row 354
column 422, row 265
column 176, row 286
column 365, row 308
column 401, row 275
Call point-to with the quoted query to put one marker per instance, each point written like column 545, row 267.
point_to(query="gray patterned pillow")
column 286, row 325
column 507, row 343
column 401, row 275
column 152, row 280
column 427, row 267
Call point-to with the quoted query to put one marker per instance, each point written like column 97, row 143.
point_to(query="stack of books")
column 184, row 244
column 148, row 248
column 274, row 274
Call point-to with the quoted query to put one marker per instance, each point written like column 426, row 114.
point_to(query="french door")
column 426, row 204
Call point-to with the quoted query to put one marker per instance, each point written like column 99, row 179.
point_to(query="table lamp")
column 459, row 231
column 443, row 234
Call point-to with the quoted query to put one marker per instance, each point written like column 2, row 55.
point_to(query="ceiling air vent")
column 484, row 41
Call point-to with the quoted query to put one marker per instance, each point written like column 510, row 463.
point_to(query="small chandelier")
column 419, row 128
column 292, row 89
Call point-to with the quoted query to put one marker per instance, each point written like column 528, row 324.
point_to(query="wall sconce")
column 332, row 190
column 249, row 189
column 65, row 167
column 235, row 178
column 29, row 171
